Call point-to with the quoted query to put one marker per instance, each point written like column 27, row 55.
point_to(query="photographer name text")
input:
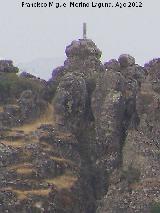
column 73, row 4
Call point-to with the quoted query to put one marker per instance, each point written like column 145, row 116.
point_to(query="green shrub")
column 155, row 208
column 50, row 91
column 132, row 175
column 11, row 86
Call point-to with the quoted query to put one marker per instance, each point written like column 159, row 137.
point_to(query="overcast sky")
column 30, row 33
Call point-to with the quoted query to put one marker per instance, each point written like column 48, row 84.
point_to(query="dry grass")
column 22, row 195
column 22, row 165
column 1, row 109
column 39, row 192
column 61, row 160
column 22, row 169
column 63, row 182
column 26, row 155
column 64, row 135
column 47, row 147
column 27, row 128
column 16, row 144
column 46, row 118
column 13, row 133
column 147, row 183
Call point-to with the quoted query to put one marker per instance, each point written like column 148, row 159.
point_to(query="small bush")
column 155, row 208
column 11, row 86
column 50, row 91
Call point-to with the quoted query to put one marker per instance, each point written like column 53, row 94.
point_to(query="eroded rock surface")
column 134, row 186
column 93, row 148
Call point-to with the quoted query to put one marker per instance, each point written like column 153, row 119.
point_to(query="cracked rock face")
column 134, row 187
column 73, row 93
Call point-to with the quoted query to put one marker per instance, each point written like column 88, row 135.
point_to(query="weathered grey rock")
column 72, row 105
column 29, row 107
column 83, row 57
column 7, row 155
column 72, row 99
column 153, row 68
column 109, row 105
column 57, row 73
column 12, row 109
column 112, row 64
column 134, row 187
column 83, row 48
column 27, row 75
column 126, row 60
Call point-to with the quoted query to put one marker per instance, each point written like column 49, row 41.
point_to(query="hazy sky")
column 30, row 33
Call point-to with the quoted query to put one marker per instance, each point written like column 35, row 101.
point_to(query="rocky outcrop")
column 113, row 104
column 58, row 73
column 72, row 104
column 93, row 148
column 112, row 64
column 28, row 108
column 126, row 60
column 83, row 57
column 134, row 186
column 72, row 99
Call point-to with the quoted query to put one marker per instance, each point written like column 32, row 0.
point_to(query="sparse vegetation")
column 131, row 175
column 155, row 208
column 63, row 182
column 46, row 118
column 60, row 160
column 22, row 169
column 1, row 108
column 11, row 86
column 15, row 144
column 22, row 195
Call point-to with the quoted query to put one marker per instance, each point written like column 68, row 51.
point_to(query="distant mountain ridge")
column 41, row 67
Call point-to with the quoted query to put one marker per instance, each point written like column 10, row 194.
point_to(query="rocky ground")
column 39, row 166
